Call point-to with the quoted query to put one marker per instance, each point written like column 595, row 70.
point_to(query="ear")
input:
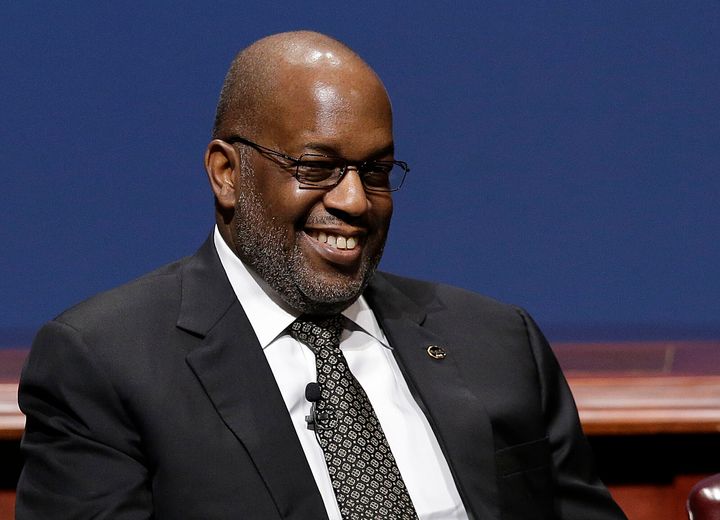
column 221, row 160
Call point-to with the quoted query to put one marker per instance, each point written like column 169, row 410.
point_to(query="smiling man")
column 275, row 374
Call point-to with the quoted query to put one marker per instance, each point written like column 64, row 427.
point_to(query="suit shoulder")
column 147, row 295
column 432, row 294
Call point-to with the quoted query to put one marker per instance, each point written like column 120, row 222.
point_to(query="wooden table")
column 651, row 411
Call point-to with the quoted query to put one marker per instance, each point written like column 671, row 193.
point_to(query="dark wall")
column 565, row 155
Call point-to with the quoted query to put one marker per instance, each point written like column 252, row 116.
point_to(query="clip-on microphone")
column 313, row 392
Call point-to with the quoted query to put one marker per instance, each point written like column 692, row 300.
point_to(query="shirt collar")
column 269, row 316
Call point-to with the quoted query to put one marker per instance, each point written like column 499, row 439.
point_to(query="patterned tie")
column 364, row 475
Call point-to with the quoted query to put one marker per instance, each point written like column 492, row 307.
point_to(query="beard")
column 263, row 245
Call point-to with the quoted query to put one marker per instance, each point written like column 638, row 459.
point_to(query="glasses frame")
column 344, row 164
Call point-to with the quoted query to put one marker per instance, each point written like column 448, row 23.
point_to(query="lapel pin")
column 436, row 352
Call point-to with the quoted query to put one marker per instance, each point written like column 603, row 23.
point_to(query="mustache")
column 330, row 220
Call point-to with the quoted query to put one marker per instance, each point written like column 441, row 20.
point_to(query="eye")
column 316, row 169
column 377, row 174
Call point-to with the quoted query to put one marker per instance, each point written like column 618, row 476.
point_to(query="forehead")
column 344, row 108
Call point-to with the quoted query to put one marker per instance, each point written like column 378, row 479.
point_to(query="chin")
column 332, row 294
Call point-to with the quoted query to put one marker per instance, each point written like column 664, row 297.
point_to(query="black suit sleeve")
column 579, row 493
column 83, row 456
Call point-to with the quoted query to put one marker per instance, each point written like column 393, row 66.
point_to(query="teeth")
column 339, row 242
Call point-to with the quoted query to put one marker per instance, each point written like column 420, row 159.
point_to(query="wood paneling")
column 652, row 413
column 7, row 505
column 12, row 421
column 644, row 388
column 655, row 502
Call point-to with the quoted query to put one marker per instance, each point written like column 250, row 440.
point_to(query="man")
column 183, row 393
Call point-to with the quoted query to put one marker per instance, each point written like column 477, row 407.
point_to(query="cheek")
column 285, row 204
column 381, row 211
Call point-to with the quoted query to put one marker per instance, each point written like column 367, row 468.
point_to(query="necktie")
column 363, row 472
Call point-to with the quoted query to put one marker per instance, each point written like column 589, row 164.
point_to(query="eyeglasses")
column 323, row 171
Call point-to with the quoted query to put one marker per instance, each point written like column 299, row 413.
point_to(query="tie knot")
column 318, row 332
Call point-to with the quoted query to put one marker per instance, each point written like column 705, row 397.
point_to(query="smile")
column 336, row 241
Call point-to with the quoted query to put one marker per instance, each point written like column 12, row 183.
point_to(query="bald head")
column 266, row 74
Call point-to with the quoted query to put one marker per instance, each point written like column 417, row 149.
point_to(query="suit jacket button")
column 436, row 352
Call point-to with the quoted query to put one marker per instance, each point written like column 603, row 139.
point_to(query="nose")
column 348, row 195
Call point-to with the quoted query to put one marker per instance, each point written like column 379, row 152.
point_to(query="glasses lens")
column 383, row 175
column 317, row 170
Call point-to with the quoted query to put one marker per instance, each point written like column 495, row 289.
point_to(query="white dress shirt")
column 369, row 357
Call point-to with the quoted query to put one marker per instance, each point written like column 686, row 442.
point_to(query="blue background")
column 565, row 155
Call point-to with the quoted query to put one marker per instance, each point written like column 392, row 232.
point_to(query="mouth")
column 334, row 240
column 334, row 247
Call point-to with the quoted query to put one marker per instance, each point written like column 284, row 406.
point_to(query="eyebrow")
column 331, row 151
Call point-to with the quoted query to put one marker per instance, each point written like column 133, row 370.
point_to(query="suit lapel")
column 234, row 372
column 457, row 416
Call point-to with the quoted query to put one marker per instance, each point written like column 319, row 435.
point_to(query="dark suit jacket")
column 155, row 399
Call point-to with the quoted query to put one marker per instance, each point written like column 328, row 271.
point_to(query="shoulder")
column 152, row 294
column 141, row 319
column 123, row 336
column 441, row 298
column 478, row 324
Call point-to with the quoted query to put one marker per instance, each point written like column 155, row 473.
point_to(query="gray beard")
column 261, row 245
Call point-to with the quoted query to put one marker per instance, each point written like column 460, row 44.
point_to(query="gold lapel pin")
column 436, row 352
